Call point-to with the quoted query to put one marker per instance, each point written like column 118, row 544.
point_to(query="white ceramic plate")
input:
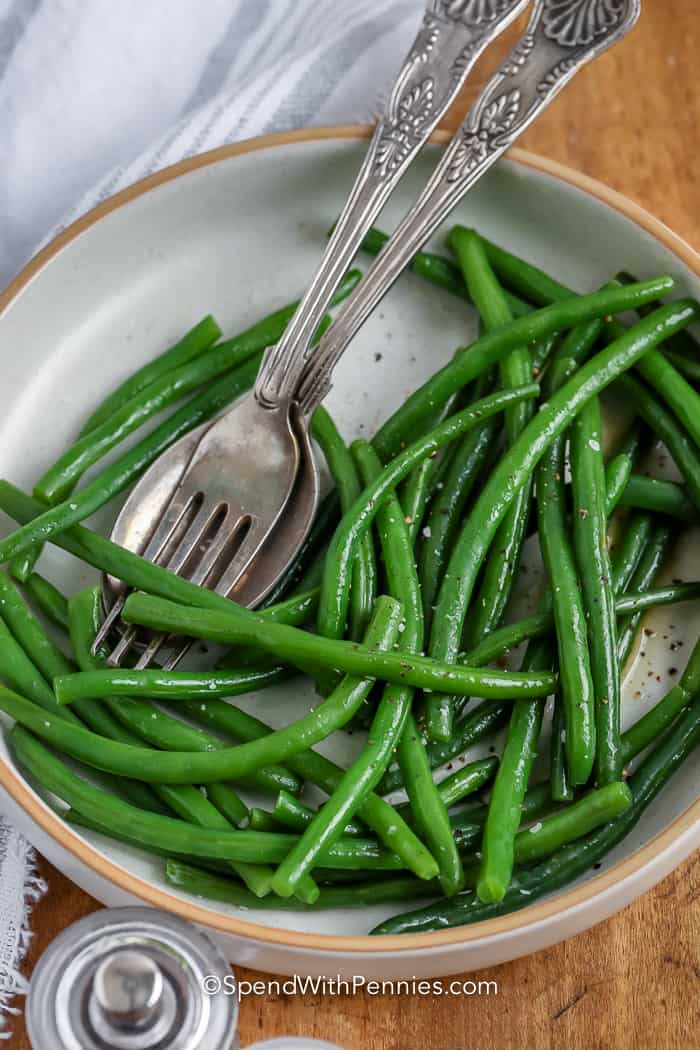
column 238, row 233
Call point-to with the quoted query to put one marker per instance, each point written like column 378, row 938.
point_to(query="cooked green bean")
column 191, row 345
column 574, row 859
column 627, row 554
column 651, row 726
column 483, row 719
column 467, row 780
column 449, row 502
column 294, row 646
column 292, row 813
column 233, row 762
column 262, row 820
column 576, row 680
column 334, row 589
column 668, row 383
column 427, row 807
column 19, row 672
column 438, row 270
column 591, row 546
column 56, row 483
column 48, row 599
column 674, row 437
column 210, row 886
column 177, row 836
column 146, row 722
column 644, row 576
column 660, row 497
column 259, row 336
column 502, row 562
column 518, row 462
column 488, row 350
column 574, row 721
column 509, row 637
column 382, row 818
column 342, row 469
column 618, row 470
column 509, row 787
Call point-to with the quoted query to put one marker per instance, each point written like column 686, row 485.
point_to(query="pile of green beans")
column 399, row 603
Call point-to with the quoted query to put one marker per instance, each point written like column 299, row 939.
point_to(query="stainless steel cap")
column 131, row 979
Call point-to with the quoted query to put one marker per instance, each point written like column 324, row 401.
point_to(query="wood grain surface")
column 631, row 120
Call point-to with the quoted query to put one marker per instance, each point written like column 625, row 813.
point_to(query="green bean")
column 651, row 726
column 56, row 483
column 467, row 780
column 644, row 576
column 342, row 469
column 233, row 762
column 334, row 589
column 427, row 807
column 517, row 463
column 618, row 470
column 574, row 859
column 590, row 543
column 483, row 719
column 502, row 563
column 437, row 270
column 660, row 497
column 140, row 573
column 259, row 336
column 488, row 350
column 262, row 820
column 667, row 382
column 205, row 884
column 222, row 807
column 531, row 282
column 328, row 823
column 449, row 502
column 382, row 818
column 144, row 721
column 684, row 344
column 572, row 822
column 292, row 813
column 19, row 672
column 538, row 626
column 576, row 678
column 686, row 366
column 509, row 787
column 294, row 646
column 628, row 553
column 177, row 836
column 677, row 441
column 307, row 558
column 130, row 465
column 573, row 730
column 416, row 491
column 562, row 788
column 191, row 345
column 49, row 600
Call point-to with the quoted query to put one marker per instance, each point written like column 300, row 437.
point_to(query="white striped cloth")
column 96, row 94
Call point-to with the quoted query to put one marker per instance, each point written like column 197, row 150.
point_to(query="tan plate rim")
column 160, row 898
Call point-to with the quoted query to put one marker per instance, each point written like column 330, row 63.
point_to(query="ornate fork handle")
column 452, row 36
column 563, row 35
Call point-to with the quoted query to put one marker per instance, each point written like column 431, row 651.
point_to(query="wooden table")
column 633, row 121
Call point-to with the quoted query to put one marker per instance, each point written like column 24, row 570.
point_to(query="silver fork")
column 235, row 483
